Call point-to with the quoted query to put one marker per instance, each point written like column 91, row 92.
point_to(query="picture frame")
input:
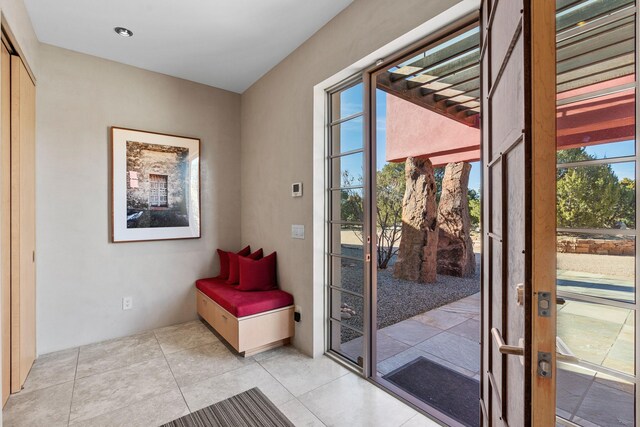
column 155, row 186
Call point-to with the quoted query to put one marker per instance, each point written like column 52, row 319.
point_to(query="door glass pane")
column 598, row 152
column 347, row 240
column 599, row 196
column 346, row 341
column 347, row 309
column 583, row 393
column 597, row 265
column 599, row 334
column 584, row 11
column 596, row 212
column 348, row 274
column 346, row 102
column 348, row 204
column 350, row 170
column 347, row 136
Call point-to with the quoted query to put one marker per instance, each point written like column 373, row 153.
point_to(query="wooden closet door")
column 5, row 219
column 23, row 297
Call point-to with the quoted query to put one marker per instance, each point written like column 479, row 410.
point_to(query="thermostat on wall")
column 296, row 189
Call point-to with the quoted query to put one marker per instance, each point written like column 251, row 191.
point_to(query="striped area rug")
column 248, row 409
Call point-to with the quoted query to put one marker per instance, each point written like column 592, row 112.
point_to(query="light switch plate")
column 297, row 231
column 296, row 189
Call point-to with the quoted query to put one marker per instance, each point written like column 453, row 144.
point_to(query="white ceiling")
column 223, row 43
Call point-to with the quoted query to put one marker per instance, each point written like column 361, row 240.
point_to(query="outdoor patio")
column 450, row 335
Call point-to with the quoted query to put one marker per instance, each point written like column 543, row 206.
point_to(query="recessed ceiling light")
column 123, row 32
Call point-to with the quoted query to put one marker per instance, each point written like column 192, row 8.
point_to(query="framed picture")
column 155, row 183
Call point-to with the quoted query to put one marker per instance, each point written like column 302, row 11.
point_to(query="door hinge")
column 544, row 304
column 545, row 368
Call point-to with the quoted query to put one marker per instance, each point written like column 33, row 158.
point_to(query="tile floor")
column 154, row 377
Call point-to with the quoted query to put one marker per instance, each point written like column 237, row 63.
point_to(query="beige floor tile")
column 52, row 369
column 213, row 390
column 47, row 407
column 199, row 363
column 300, row 373
column 184, row 336
column 103, row 393
column 117, row 353
column 154, row 411
column 352, row 401
column 299, row 415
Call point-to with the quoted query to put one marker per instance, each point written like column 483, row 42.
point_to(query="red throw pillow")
column 234, row 268
column 224, row 261
column 258, row 275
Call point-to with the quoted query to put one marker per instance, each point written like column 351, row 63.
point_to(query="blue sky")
column 352, row 137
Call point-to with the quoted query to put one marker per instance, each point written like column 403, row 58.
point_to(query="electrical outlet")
column 127, row 303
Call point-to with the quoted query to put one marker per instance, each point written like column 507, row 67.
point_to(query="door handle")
column 503, row 347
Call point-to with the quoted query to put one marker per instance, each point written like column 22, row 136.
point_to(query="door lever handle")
column 503, row 347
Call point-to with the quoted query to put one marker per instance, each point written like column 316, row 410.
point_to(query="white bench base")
column 250, row 334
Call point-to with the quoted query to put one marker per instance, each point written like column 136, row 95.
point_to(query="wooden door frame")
column 540, row 96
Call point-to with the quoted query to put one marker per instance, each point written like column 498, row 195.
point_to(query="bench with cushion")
column 251, row 321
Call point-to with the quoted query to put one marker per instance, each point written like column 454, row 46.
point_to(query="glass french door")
column 597, row 172
column 346, row 221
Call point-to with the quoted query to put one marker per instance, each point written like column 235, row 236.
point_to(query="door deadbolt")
column 544, row 364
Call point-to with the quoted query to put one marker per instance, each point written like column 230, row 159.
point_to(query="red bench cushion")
column 242, row 304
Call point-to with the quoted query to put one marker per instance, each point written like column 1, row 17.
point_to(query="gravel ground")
column 399, row 299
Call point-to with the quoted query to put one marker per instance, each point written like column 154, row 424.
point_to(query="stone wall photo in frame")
column 155, row 181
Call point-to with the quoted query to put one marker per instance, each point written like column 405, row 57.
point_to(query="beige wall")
column 17, row 20
column 277, row 135
column 82, row 277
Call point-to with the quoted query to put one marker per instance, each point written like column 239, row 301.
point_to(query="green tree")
column 474, row 207
column 627, row 204
column 390, row 193
column 351, row 204
column 592, row 196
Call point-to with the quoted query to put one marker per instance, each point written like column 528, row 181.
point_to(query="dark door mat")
column 440, row 387
column 248, row 409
